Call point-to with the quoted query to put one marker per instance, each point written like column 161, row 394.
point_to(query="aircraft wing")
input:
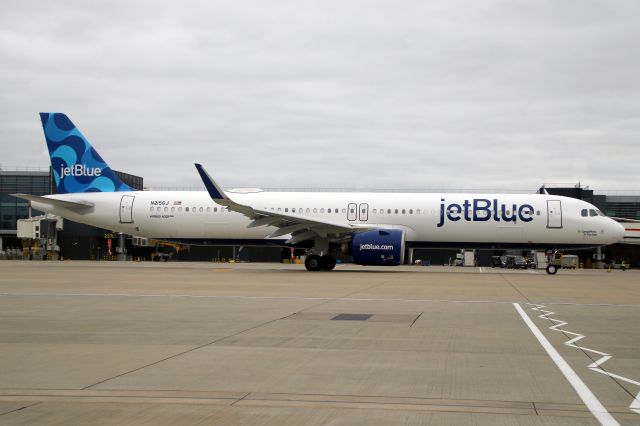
column 73, row 205
column 300, row 227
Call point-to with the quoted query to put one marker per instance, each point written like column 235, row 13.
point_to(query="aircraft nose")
column 616, row 230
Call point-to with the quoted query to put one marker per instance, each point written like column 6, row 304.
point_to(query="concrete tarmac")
column 199, row 343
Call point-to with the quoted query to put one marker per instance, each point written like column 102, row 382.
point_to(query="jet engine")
column 382, row 247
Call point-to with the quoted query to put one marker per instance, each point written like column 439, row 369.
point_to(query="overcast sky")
column 358, row 94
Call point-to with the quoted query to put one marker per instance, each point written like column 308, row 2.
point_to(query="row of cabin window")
column 315, row 210
column 344, row 210
column 186, row 209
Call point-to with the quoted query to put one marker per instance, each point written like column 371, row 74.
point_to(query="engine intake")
column 383, row 247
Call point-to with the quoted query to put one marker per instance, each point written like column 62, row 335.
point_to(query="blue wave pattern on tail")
column 77, row 167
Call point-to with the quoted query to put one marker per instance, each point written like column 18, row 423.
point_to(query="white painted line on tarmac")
column 589, row 399
column 594, row 366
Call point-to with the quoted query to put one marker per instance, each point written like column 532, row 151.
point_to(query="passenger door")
column 126, row 209
column 554, row 214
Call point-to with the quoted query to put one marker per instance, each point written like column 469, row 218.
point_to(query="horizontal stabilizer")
column 73, row 205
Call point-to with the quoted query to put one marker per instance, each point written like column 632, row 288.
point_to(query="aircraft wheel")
column 552, row 269
column 327, row 263
column 313, row 263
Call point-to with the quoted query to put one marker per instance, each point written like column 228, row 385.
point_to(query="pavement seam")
column 240, row 399
column 21, row 408
column 416, row 319
column 181, row 353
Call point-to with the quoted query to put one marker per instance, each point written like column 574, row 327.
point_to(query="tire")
column 552, row 269
column 313, row 263
column 327, row 263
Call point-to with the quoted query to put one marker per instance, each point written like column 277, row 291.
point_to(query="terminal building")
column 68, row 240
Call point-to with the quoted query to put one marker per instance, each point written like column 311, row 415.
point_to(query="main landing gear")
column 320, row 263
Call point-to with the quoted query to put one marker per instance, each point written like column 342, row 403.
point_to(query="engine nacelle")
column 383, row 247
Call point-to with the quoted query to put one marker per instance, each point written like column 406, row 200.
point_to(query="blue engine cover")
column 383, row 247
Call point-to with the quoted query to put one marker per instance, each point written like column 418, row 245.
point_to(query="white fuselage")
column 429, row 220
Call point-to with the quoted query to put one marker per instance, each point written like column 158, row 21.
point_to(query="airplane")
column 373, row 228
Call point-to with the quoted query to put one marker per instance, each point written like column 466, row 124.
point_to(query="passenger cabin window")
column 186, row 209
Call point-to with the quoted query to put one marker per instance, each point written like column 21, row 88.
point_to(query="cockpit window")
column 592, row 212
column 599, row 212
column 584, row 212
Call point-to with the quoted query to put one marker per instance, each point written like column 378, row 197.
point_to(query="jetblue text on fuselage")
column 80, row 170
column 484, row 210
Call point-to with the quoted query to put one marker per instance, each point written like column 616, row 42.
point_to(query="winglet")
column 212, row 188
column 218, row 195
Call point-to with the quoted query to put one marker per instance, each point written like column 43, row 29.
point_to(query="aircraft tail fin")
column 76, row 165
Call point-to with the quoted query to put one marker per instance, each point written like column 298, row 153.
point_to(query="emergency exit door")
column 352, row 211
column 363, row 212
column 126, row 209
column 554, row 214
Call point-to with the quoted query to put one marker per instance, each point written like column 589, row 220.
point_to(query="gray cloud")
column 455, row 94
